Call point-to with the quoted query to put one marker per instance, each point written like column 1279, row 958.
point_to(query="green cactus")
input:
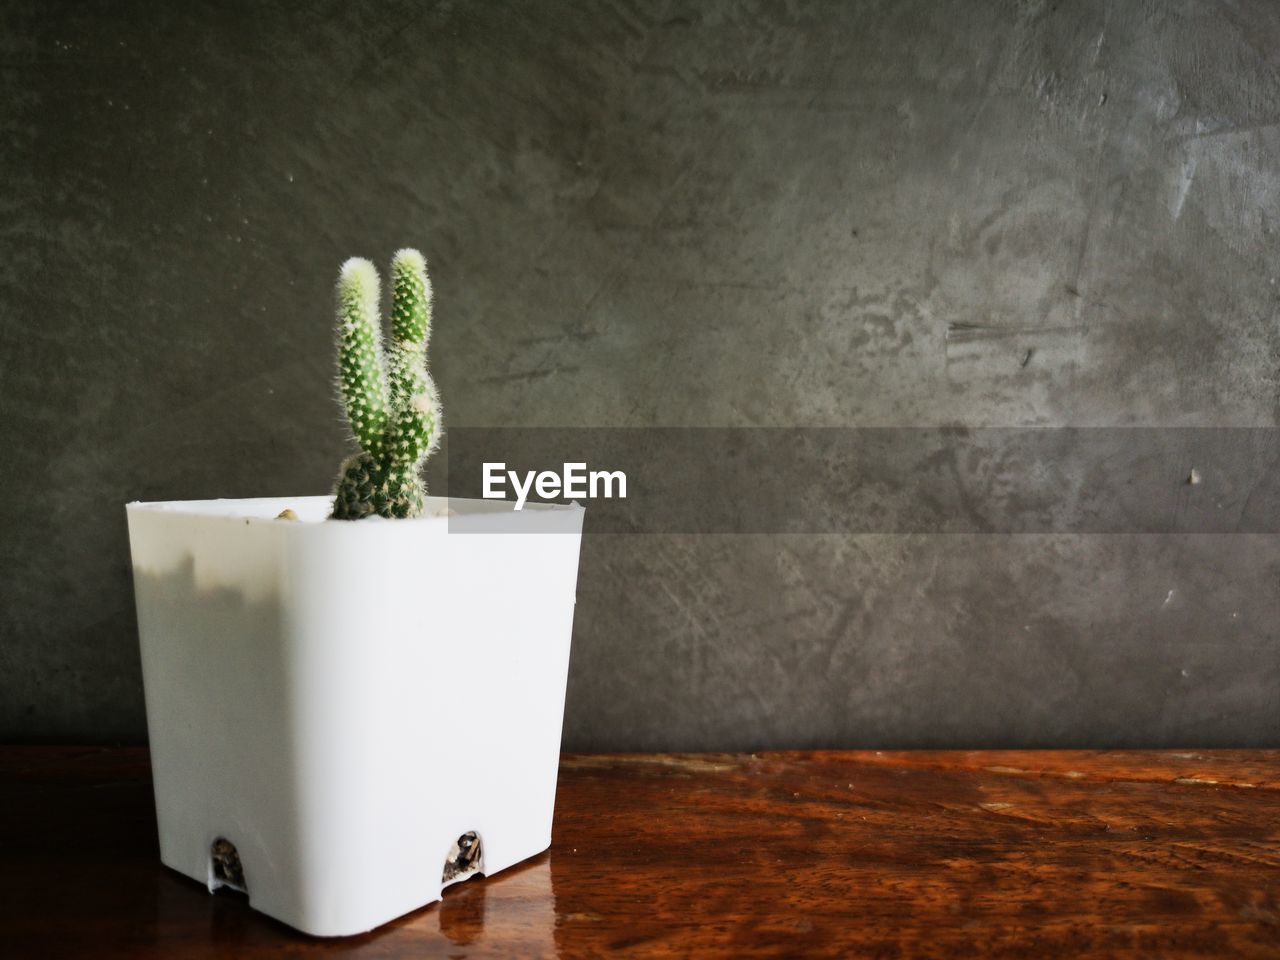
column 396, row 431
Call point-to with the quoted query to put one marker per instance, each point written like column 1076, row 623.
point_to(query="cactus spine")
column 397, row 428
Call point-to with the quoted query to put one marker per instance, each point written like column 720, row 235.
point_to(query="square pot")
column 341, row 702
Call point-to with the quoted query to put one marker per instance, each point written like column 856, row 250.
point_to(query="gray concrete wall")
column 664, row 213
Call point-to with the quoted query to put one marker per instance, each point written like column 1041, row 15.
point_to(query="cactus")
column 397, row 428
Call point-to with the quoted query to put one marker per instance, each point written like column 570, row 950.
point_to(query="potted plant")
column 346, row 717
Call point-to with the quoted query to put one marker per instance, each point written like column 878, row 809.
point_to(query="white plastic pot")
column 342, row 701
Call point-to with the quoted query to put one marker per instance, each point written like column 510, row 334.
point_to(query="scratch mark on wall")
column 1183, row 186
column 526, row 375
column 1211, row 128
column 963, row 332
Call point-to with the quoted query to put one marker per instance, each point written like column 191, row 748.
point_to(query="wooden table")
column 921, row 854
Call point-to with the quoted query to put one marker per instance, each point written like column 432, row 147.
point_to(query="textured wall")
column 677, row 213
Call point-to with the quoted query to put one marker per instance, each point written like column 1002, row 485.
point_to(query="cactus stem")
column 397, row 428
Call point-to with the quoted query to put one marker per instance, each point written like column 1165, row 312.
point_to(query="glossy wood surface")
column 920, row 854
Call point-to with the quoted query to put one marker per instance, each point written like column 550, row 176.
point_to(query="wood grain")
column 829, row 854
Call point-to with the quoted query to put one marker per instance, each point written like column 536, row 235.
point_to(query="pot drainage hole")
column 466, row 857
column 224, row 866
